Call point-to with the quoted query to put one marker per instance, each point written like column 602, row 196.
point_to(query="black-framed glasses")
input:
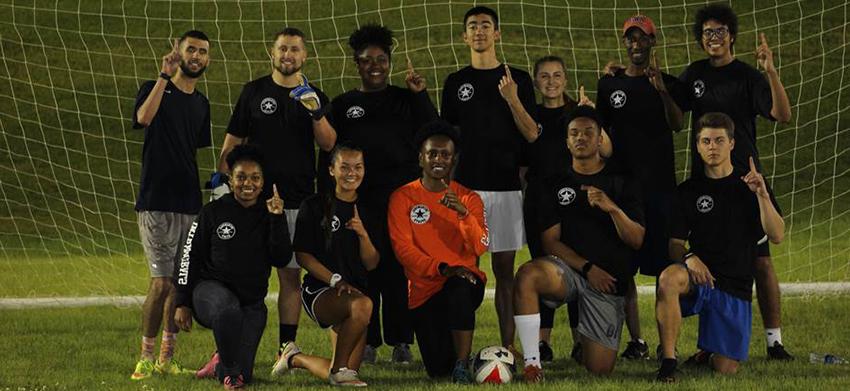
column 720, row 32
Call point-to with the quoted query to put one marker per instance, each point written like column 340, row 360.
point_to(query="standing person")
column 382, row 119
column 176, row 119
column 722, row 83
column 594, row 225
column 490, row 102
column 636, row 106
column 333, row 243
column 224, row 273
column 722, row 216
column 286, row 131
column 438, row 231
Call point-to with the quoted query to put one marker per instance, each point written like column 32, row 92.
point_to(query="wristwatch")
column 586, row 268
column 335, row 279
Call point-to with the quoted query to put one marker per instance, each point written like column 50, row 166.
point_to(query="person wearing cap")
column 637, row 107
column 594, row 221
column 438, row 231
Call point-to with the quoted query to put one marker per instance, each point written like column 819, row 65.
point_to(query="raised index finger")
column 508, row 71
column 356, row 214
column 752, row 165
column 763, row 39
column 409, row 65
column 581, row 92
column 274, row 189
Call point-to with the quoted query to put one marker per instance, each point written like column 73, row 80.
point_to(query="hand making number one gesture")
column 356, row 225
column 764, row 55
column 507, row 86
column 415, row 81
column 755, row 181
column 451, row 200
column 275, row 204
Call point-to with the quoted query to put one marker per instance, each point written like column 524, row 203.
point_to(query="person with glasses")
column 722, row 83
column 645, row 148
column 382, row 119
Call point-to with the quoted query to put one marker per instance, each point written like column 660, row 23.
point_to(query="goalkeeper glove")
column 218, row 184
column 307, row 96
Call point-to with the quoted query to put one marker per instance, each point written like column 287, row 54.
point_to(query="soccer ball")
column 493, row 365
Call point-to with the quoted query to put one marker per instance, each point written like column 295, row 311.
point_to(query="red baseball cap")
column 643, row 22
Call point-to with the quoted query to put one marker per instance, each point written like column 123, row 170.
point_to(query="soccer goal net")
column 70, row 70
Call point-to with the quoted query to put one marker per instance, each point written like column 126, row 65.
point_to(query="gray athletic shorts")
column 503, row 214
column 291, row 217
column 600, row 315
column 163, row 235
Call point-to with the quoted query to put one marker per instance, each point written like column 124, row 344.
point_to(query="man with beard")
column 722, row 83
column 645, row 148
column 176, row 119
column 285, row 132
column 490, row 102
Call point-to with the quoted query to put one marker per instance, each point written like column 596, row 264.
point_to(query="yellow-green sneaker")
column 144, row 370
column 172, row 367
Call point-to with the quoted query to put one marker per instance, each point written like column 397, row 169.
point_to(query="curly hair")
column 371, row 35
column 244, row 153
column 723, row 14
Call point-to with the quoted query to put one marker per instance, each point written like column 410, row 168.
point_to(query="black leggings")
column 237, row 328
column 452, row 308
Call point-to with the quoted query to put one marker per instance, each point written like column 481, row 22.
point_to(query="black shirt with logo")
column 383, row 123
column 719, row 218
column 169, row 179
column 339, row 253
column 236, row 246
column 632, row 113
column 736, row 89
column 588, row 230
column 548, row 156
column 491, row 144
column 282, row 129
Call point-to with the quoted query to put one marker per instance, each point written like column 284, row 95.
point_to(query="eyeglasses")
column 719, row 32
column 643, row 40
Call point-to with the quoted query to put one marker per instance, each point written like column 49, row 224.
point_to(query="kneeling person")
column 594, row 221
column 224, row 274
column 723, row 218
column 438, row 232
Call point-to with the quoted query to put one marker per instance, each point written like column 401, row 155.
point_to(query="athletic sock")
column 166, row 346
column 286, row 333
column 773, row 336
column 528, row 330
column 148, row 344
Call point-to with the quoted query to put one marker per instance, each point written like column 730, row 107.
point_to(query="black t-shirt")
column 283, row 130
column 736, row 89
column 169, row 179
column 588, row 230
column 491, row 144
column 548, row 156
column 342, row 254
column 632, row 113
column 236, row 246
column 720, row 220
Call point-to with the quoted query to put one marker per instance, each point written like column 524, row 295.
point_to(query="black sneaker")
column 699, row 359
column 546, row 353
column 778, row 352
column 667, row 372
column 576, row 353
column 636, row 350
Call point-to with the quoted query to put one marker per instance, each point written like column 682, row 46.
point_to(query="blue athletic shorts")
column 725, row 321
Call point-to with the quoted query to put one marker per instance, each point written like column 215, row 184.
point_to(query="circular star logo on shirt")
column 705, row 204
column 465, row 92
column 225, row 231
column 566, row 196
column 355, row 112
column 335, row 224
column 618, row 99
column 268, row 105
column 699, row 88
column 420, row 214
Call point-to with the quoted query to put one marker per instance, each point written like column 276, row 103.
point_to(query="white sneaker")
column 281, row 366
column 346, row 378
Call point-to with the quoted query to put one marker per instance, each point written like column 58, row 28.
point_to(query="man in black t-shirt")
column 176, row 119
column 286, row 131
column 382, row 120
column 594, row 223
column 721, row 83
column 640, row 114
column 722, row 216
column 490, row 102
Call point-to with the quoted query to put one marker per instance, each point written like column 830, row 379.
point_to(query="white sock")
column 528, row 330
column 773, row 336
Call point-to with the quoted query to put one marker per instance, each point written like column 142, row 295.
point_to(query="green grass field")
column 95, row 348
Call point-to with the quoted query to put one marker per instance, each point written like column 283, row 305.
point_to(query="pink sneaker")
column 208, row 370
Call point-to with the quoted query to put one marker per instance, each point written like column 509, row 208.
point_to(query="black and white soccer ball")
column 493, row 365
